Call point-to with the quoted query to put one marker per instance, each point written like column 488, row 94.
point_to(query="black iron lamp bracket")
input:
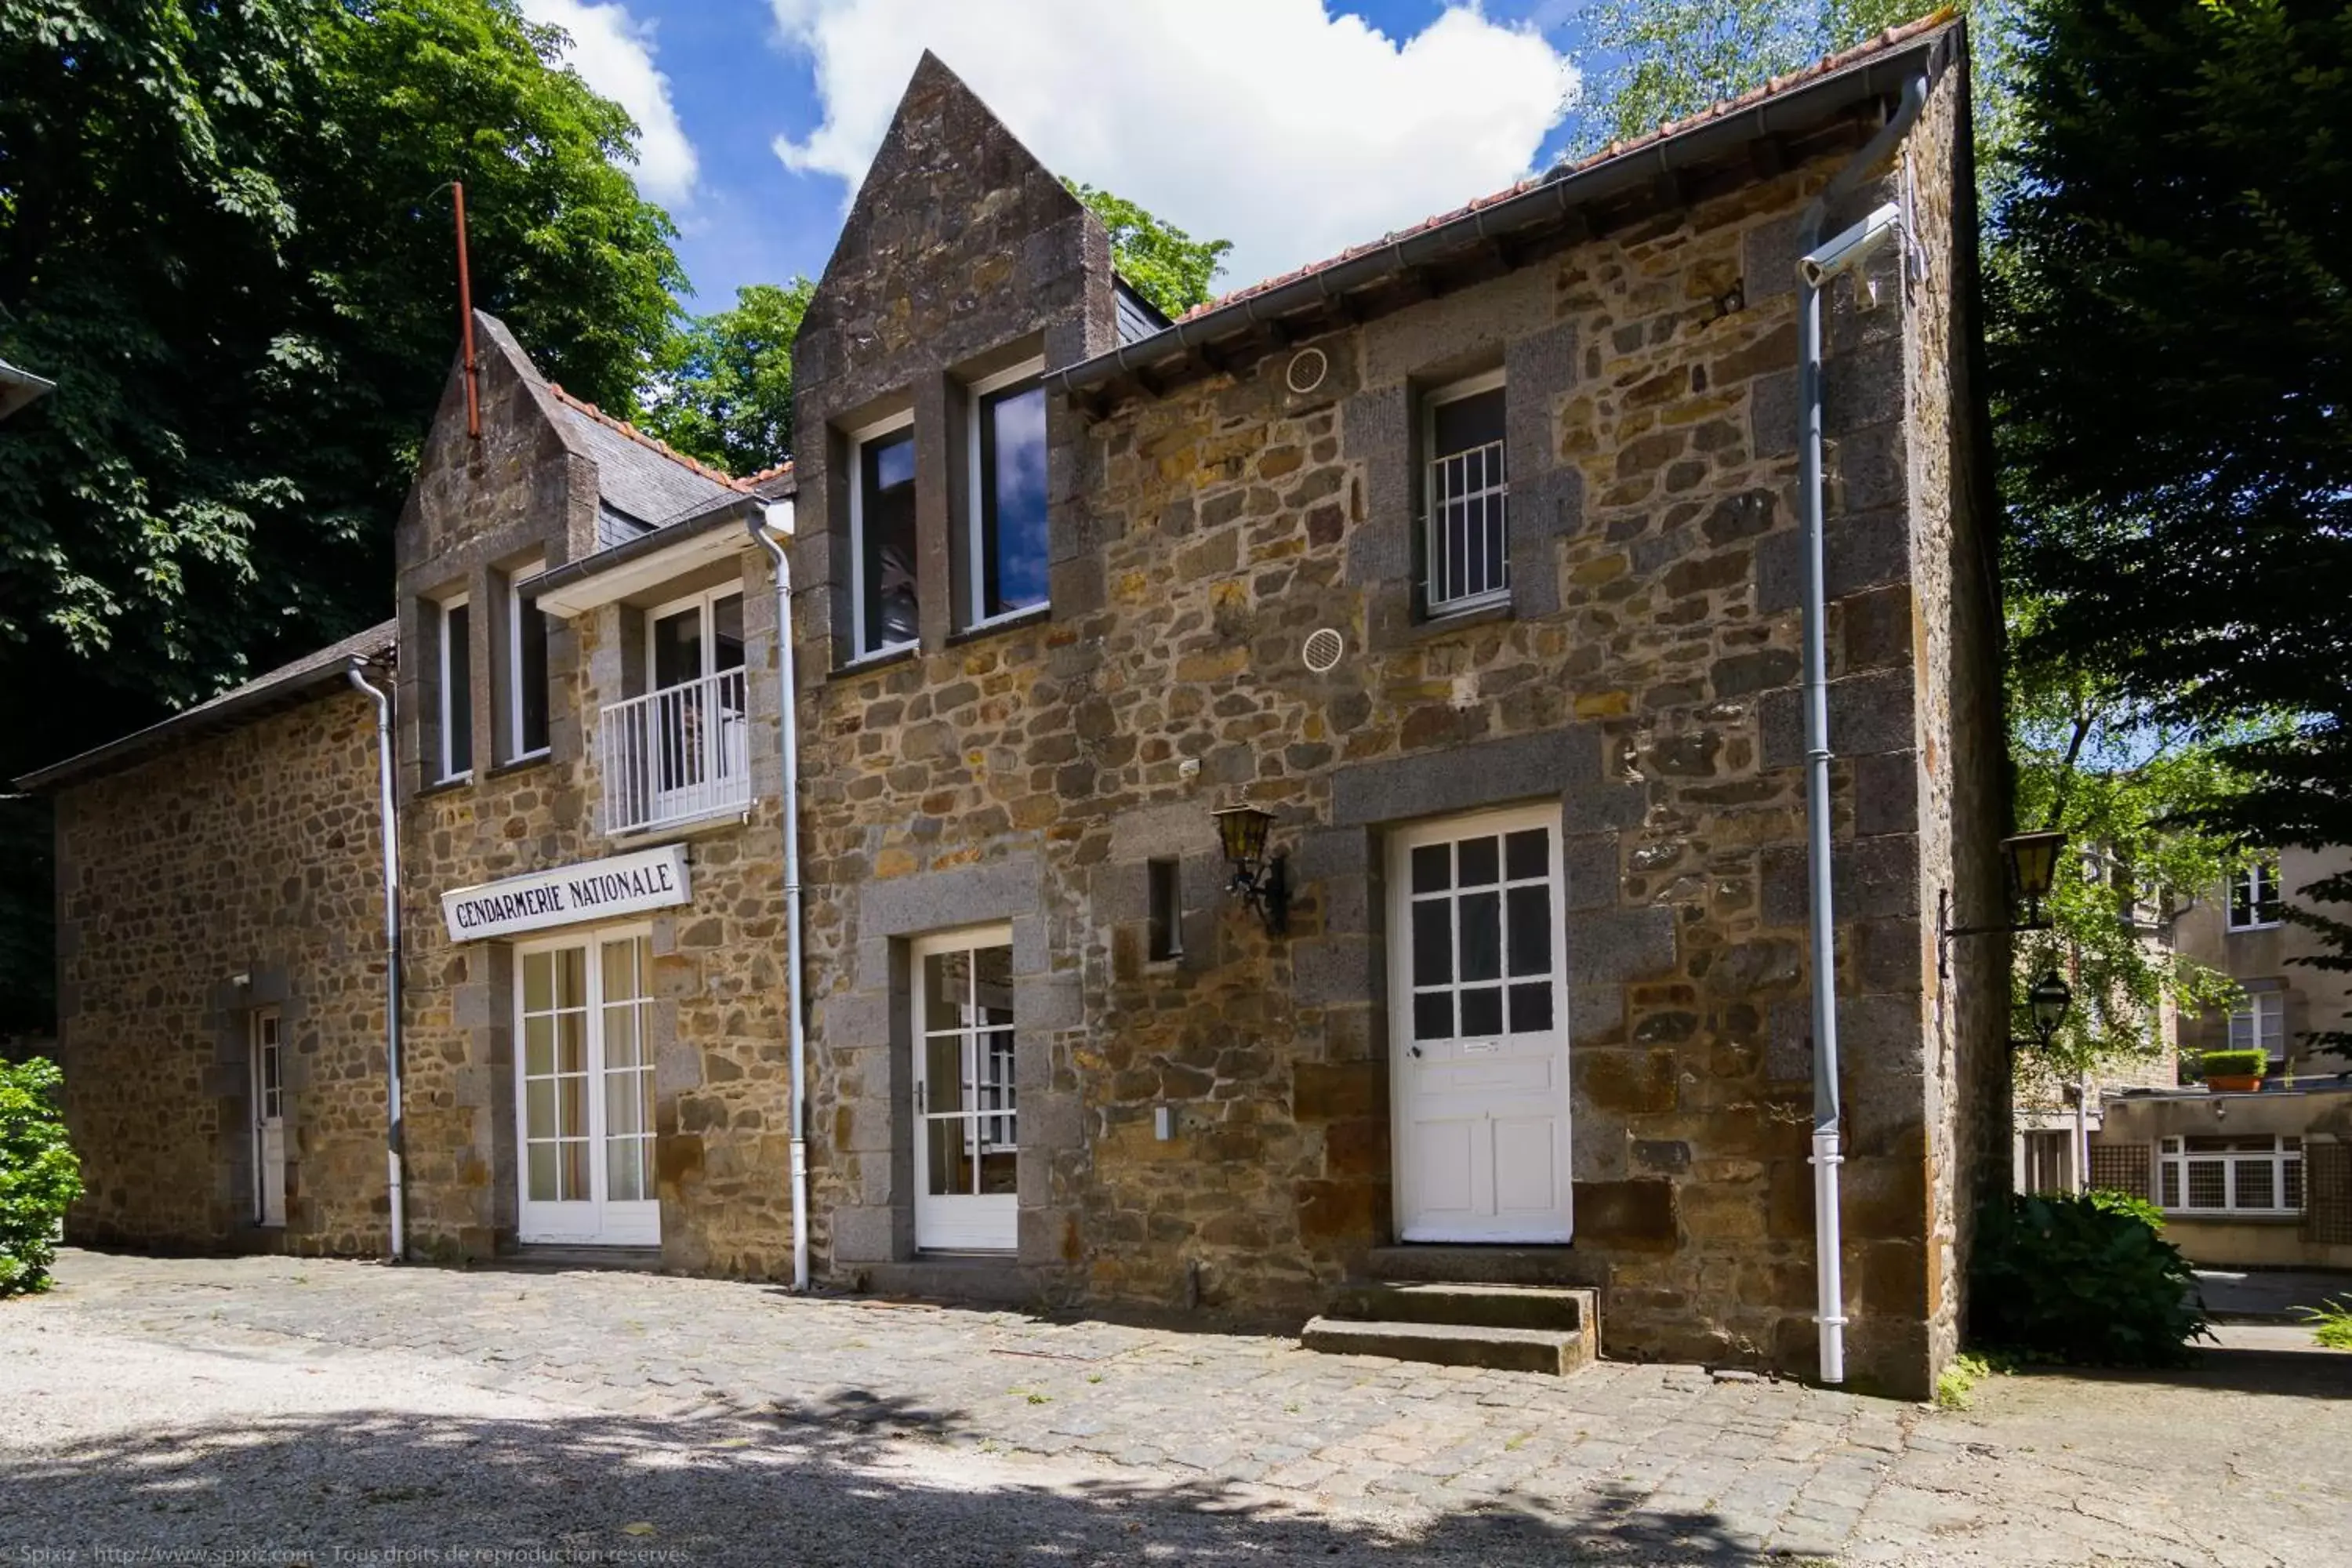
column 1946, row 930
column 1266, row 889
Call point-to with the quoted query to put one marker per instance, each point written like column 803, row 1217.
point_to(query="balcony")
column 676, row 754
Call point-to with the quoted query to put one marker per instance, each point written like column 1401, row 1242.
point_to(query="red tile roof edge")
column 1889, row 39
column 655, row 443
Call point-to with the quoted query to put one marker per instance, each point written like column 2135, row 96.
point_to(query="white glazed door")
column 1478, row 1027
column 966, row 1121
column 584, row 1093
column 268, row 1118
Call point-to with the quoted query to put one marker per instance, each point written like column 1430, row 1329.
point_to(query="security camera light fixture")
column 1842, row 251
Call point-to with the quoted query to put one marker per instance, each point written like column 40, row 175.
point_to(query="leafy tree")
column 223, row 234
column 724, row 388
column 38, row 1174
column 2172, row 356
column 1166, row 266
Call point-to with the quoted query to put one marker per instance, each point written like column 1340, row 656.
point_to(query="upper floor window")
column 884, row 610
column 2258, row 1022
column 1006, row 528
column 526, row 666
column 682, row 749
column 455, row 688
column 2254, row 897
column 1465, row 556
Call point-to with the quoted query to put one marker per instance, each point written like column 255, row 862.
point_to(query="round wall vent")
column 1307, row 369
column 1324, row 649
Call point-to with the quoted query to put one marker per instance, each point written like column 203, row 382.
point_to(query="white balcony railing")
column 1467, row 552
column 680, row 752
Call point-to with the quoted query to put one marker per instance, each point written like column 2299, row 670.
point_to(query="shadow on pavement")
column 854, row 1479
column 2302, row 1374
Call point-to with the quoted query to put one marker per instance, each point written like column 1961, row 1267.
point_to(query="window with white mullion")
column 1466, row 547
column 527, row 693
column 967, row 1100
column 2229, row 1174
column 1482, row 938
column 2259, row 1024
column 884, row 608
column 1005, row 526
column 2254, row 897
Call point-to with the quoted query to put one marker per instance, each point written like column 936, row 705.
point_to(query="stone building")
column 1470, row 558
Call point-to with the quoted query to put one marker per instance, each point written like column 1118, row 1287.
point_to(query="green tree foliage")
column 724, row 388
column 38, row 1174
column 2087, row 1278
column 223, row 232
column 2172, row 360
column 1166, row 266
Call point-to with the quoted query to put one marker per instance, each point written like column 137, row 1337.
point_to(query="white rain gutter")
column 1816, row 266
column 393, row 1132
column 765, row 524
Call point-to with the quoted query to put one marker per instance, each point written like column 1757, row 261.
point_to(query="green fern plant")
column 2330, row 1323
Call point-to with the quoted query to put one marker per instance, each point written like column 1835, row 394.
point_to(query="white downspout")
column 393, row 1131
column 765, row 525
column 1816, row 266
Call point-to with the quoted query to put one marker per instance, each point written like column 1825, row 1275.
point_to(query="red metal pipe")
column 466, row 315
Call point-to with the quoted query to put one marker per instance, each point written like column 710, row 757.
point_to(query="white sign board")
column 593, row 890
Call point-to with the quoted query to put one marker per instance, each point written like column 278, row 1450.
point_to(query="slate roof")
column 647, row 480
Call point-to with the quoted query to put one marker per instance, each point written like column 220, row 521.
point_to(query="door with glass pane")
column 701, row 735
column 269, row 1118
column 1478, row 1022
column 966, row 1120
column 585, row 1093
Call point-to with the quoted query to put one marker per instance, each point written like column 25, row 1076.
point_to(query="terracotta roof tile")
column 1889, row 39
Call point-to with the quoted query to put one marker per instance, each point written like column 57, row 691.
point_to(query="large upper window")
column 526, row 667
column 2247, row 1174
column 455, row 695
column 884, row 608
column 2254, row 897
column 1465, row 556
column 1006, row 528
column 2259, row 1024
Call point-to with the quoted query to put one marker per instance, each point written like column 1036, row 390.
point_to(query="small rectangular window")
column 882, row 538
column 1167, row 895
column 1465, row 546
column 2259, row 1024
column 457, row 690
column 2254, row 897
column 1006, row 530
column 526, row 666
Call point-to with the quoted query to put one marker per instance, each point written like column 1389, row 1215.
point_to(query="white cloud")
column 1291, row 132
column 614, row 53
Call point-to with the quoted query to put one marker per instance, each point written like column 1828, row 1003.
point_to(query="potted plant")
column 2238, row 1070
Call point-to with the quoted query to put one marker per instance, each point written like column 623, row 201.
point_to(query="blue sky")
column 1293, row 127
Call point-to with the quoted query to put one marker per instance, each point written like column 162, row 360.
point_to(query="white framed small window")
column 1465, row 545
column 527, row 693
column 1004, row 538
column 2258, row 1173
column 885, row 611
column 456, row 696
column 2254, row 897
column 2258, row 1022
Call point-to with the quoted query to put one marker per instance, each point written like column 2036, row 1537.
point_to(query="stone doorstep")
column 1554, row 1310
column 1452, row 1344
column 541, row 1258
column 1481, row 1265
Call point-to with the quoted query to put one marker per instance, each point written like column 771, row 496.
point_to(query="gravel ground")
column 265, row 1411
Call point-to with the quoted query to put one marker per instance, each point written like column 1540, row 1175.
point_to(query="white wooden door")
column 967, row 1141
column 585, row 1093
column 269, row 1118
column 1479, row 1011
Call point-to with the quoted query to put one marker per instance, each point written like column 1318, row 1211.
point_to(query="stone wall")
column 255, row 852
column 1643, row 677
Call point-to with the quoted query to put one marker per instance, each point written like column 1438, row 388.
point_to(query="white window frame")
column 2253, row 877
column 1431, row 402
column 2173, row 1158
column 2258, row 1008
column 452, row 703
column 268, row 1069
column 976, row 616
column 705, row 602
column 520, row 578
column 977, row 1223
column 859, row 441
column 598, row 1218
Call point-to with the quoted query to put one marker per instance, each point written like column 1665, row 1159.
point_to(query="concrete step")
column 1438, row 1262
column 1550, row 1308
column 543, row 1258
column 1452, row 1344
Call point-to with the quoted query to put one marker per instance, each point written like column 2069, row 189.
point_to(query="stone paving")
column 2247, row 1461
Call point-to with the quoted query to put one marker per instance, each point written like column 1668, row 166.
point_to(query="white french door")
column 584, row 1091
column 1478, row 1028
column 966, row 1122
column 268, row 1070
column 694, row 657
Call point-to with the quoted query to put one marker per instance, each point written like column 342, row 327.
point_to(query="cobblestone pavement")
column 339, row 1409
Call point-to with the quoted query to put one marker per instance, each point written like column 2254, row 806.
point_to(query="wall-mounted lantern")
column 2047, row 1001
column 1258, row 881
column 2032, row 862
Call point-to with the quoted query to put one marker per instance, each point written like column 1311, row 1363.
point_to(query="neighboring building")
column 1063, row 574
